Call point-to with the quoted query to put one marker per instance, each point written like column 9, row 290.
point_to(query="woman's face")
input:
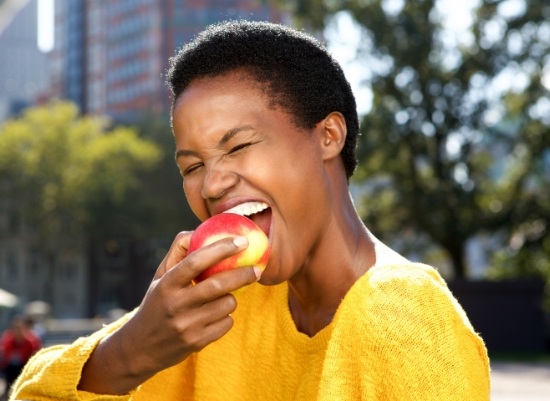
column 235, row 152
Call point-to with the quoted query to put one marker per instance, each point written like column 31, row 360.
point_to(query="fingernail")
column 240, row 242
column 257, row 272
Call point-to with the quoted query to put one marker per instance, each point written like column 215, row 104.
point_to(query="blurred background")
column 454, row 149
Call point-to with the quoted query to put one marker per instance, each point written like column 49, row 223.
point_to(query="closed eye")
column 191, row 168
column 239, row 147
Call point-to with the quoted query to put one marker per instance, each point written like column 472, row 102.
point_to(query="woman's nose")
column 217, row 181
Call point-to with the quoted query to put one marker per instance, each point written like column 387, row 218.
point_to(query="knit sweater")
column 398, row 334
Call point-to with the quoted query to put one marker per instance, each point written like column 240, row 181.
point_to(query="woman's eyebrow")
column 232, row 132
column 184, row 152
column 224, row 139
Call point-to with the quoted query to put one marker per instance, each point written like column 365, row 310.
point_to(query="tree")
column 70, row 176
column 457, row 144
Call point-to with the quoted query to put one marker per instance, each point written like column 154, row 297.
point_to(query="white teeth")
column 248, row 208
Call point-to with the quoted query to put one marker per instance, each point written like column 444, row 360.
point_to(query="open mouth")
column 258, row 212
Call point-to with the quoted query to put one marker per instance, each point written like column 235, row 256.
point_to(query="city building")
column 110, row 57
column 23, row 74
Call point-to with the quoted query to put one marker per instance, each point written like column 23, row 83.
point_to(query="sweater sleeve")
column 54, row 372
column 401, row 335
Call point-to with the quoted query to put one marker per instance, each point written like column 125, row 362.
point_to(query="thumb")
column 177, row 252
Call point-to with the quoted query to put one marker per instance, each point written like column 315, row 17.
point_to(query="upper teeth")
column 248, row 208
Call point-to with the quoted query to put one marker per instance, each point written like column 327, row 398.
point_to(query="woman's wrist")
column 113, row 367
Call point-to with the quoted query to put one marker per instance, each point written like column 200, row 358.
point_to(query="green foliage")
column 83, row 185
column 458, row 140
column 59, row 167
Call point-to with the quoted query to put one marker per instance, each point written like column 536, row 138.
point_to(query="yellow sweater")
column 398, row 335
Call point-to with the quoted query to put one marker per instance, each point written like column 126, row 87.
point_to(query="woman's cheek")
column 192, row 192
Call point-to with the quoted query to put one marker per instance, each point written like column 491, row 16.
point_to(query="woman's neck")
column 342, row 256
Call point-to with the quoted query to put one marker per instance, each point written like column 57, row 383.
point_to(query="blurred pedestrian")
column 17, row 344
column 35, row 326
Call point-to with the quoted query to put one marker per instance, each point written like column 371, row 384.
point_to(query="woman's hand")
column 175, row 318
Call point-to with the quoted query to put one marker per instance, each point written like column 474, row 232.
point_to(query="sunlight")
column 45, row 39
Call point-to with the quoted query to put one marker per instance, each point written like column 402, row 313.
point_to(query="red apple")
column 231, row 225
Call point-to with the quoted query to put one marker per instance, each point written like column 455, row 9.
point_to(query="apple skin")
column 231, row 225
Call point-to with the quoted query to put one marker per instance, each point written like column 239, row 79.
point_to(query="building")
column 110, row 57
column 23, row 74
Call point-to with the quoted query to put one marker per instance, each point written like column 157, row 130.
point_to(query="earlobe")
column 334, row 134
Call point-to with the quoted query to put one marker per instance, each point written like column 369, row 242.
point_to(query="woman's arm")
column 174, row 320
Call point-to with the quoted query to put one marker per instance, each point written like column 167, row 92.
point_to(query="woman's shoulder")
column 392, row 269
column 396, row 275
column 409, row 274
column 403, row 303
column 400, row 290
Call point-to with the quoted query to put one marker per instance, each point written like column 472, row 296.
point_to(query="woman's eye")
column 239, row 147
column 192, row 168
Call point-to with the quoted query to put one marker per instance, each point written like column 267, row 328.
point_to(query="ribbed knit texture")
column 398, row 335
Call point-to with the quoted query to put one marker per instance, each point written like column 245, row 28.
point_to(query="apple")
column 231, row 225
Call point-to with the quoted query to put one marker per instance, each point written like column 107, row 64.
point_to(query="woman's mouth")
column 258, row 212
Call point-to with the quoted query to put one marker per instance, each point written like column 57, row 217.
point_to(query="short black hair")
column 297, row 71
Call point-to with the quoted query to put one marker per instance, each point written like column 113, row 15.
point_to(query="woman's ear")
column 333, row 135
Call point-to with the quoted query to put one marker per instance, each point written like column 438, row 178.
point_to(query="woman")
column 264, row 117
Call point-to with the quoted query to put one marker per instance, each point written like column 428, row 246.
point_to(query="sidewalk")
column 520, row 381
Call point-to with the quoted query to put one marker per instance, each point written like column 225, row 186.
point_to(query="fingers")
column 177, row 318
column 196, row 262
column 210, row 323
column 177, row 252
column 224, row 283
column 216, row 330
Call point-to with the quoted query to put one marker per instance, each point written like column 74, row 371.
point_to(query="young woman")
column 265, row 125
